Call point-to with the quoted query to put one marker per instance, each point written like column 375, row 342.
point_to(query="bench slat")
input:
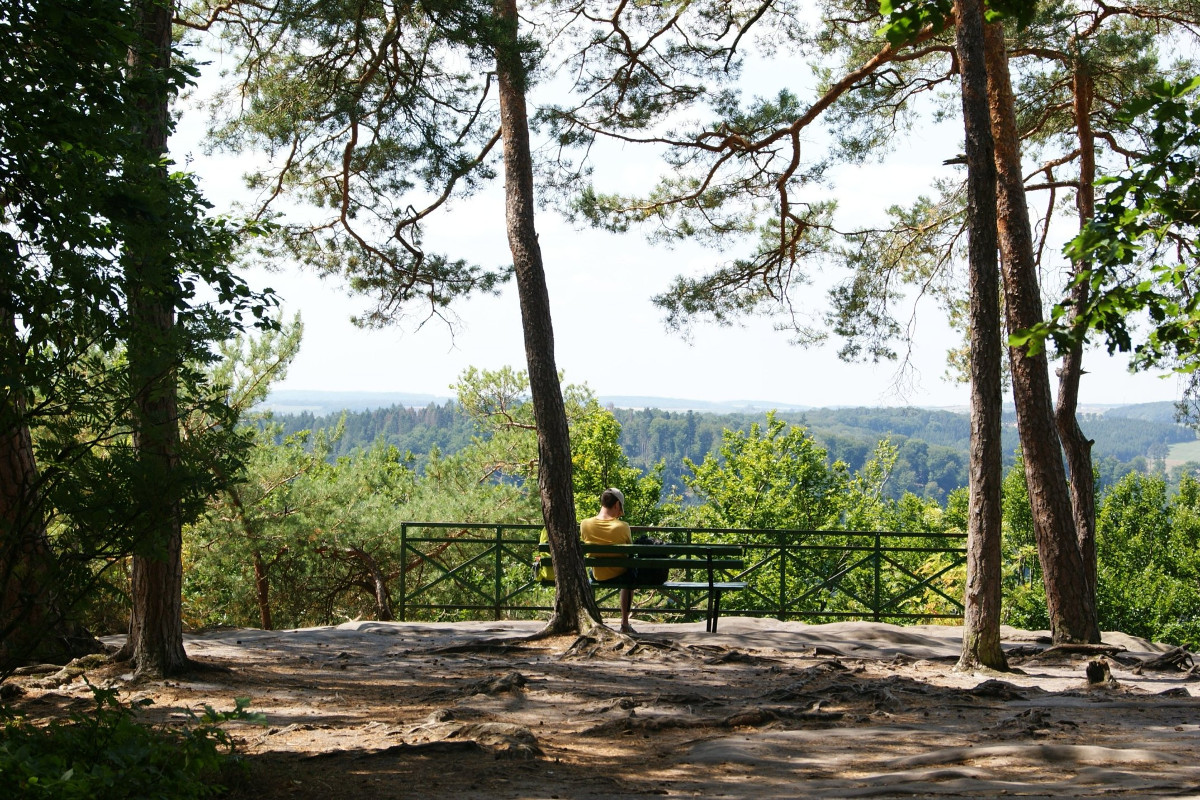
column 662, row 550
column 668, row 563
column 697, row 585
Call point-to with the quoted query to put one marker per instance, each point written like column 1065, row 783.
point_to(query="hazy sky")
column 607, row 333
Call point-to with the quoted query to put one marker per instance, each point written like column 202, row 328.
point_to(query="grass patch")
column 1183, row 452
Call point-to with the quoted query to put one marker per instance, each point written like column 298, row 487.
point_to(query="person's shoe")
column 628, row 630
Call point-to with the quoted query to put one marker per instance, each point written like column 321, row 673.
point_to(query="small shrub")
column 107, row 754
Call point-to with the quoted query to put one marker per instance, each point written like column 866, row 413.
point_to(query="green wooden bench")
column 711, row 561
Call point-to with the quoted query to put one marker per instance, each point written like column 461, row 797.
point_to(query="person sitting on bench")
column 607, row 528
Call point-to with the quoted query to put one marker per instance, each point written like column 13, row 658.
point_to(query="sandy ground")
column 760, row 709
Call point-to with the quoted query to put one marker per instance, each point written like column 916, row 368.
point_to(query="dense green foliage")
column 931, row 444
column 86, row 206
column 773, row 476
column 1024, row 594
column 108, row 754
column 751, row 473
column 1147, row 542
column 802, row 516
column 1148, row 546
column 419, row 431
column 1141, row 246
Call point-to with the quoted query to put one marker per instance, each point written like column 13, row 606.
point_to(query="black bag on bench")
column 651, row 574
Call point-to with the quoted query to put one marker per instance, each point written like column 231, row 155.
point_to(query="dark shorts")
column 627, row 578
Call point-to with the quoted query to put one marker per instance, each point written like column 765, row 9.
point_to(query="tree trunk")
column 32, row 624
column 378, row 583
column 982, row 598
column 1069, row 599
column 1076, row 446
column 156, row 626
column 262, row 590
column 575, row 608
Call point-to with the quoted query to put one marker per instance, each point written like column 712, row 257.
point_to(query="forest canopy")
column 931, row 444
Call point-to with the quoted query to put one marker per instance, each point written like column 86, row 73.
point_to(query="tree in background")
column 380, row 101
column 165, row 236
column 86, row 197
column 61, row 137
column 1138, row 252
column 772, row 476
column 498, row 401
column 599, row 462
column 1147, row 545
column 982, row 595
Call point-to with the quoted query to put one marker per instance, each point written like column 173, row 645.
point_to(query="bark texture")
column 1076, row 445
column 1070, row 600
column 155, row 642
column 33, row 626
column 575, row 608
column 982, row 598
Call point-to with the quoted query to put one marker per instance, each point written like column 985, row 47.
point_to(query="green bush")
column 1148, row 547
column 107, row 754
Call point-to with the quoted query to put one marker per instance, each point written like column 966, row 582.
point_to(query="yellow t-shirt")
column 605, row 531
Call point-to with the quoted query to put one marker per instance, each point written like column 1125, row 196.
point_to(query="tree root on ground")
column 600, row 641
column 1177, row 659
column 503, row 740
column 1071, row 652
column 490, row 647
column 605, row 642
column 745, row 718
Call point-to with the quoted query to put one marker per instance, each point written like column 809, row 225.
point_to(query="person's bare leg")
column 626, row 605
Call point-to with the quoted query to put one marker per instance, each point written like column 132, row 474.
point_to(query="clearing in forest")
column 761, row 709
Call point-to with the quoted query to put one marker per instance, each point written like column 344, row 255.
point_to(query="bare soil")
column 760, row 709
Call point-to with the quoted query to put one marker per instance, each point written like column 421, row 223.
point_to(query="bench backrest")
column 657, row 556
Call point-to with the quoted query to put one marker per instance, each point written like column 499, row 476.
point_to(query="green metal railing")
column 478, row 570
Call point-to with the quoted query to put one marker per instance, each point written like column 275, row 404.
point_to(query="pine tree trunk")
column 262, row 591
column 575, row 608
column 1070, row 600
column 156, row 626
column 377, row 582
column 1077, row 446
column 981, row 603
column 32, row 624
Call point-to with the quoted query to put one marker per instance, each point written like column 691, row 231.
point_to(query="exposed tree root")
column 190, row 666
column 1067, row 653
column 582, row 623
column 491, row 647
column 72, row 670
column 1178, row 659
column 600, row 641
column 745, row 718
column 508, row 682
column 999, row 690
column 605, row 642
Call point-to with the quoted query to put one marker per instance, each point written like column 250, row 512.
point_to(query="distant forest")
column 932, row 444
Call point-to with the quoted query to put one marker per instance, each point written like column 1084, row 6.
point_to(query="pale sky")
column 607, row 333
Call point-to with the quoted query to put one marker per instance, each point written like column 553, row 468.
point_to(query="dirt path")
column 761, row 709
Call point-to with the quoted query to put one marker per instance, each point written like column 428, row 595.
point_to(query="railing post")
column 781, row 536
column 499, row 567
column 403, row 571
column 878, row 574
